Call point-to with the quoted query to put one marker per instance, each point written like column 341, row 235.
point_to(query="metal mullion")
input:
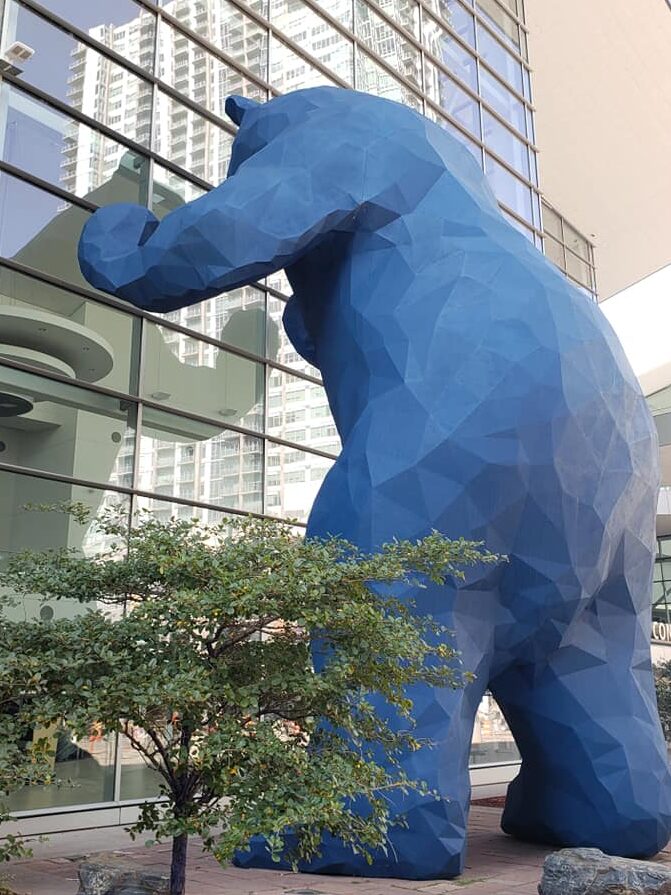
column 107, row 131
column 518, row 217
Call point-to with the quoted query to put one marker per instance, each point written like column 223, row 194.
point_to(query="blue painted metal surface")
column 477, row 392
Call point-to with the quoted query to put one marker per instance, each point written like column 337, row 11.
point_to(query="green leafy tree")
column 197, row 647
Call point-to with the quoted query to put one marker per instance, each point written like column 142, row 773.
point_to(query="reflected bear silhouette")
column 476, row 392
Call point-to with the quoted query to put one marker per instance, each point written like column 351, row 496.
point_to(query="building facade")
column 207, row 411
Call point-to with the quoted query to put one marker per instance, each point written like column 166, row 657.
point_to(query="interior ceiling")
column 602, row 89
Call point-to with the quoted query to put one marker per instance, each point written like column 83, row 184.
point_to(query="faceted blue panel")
column 477, row 393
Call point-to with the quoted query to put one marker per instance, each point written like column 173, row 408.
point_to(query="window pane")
column 191, row 141
column 170, row 191
column 316, row 37
column 552, row 222
column 456, row 16
column 456, row 102
column 500, row 59
column 40, row 230
column 505, row 144
column 193, row 375
column 502, row 100
column 281, row 349
column 221, row 22
column 59, row 428
column 338, row 9
column 525, row 231
column 508, row 189
column 504, row 25
column 441, row 43
column 579, row 269
column 87, row 762
column 81, row 77
column 69, row 154
column 125, row 27
column 57, row 323
column 201, row 75
column 403, row 12
column 289, row 71
column 293, row 478
column 200, row 461
column 237, row 318
column 396, row 50
column 554, row 251
column 372, row 78
column 576, row 242
column 297, row 411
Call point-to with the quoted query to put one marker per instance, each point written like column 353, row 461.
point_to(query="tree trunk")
column 178, row 864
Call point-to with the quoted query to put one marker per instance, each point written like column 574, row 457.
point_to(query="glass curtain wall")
column 206, row 411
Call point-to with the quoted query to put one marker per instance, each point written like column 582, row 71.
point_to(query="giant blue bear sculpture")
column 476, row 392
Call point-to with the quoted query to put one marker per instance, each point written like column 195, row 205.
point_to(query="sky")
column 641, row 317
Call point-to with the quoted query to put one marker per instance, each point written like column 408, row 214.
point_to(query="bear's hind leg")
column 594, row 763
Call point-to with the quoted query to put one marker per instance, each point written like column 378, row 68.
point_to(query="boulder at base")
column 578, row 871
column 110, row 875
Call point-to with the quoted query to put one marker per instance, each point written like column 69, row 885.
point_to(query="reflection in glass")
column 60, row 428
column 281, row 350
column 492, row 741
column 204, row 77
column 388, row 43
column 227, row 27
column 504, row 25
column 455, row 15
column 315, row 36
column 508, row 189
column 191, row 141
column 199, row 377
column 39, row 229
column 505, row 144
column 289, row 71
column 456, row 102
column 440, row 43
column 293, row 478
column 403, row 12
column 26, row 300
column 170, row 190
column 372, row 78
column 237, row 318
column 87, row 763
column 81, row 77
column 200, row 461
column 298, row 411
column 496, row 56
column 502, row 100
column 124, row 26
column 65, row 152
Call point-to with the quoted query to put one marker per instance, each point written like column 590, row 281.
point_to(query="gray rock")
column 110, row 875
column 579, row 871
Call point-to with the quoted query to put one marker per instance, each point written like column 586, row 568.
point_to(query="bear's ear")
column 294, row 326
column 236, row 106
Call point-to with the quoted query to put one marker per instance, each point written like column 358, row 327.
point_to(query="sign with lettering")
column 661, row 632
